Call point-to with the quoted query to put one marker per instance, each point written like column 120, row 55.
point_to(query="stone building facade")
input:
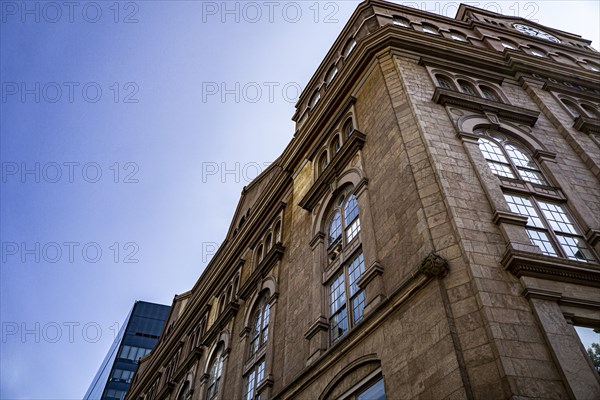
column 431, row 231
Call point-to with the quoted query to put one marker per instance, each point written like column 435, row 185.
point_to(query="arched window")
column 591, row 111
column 260, row 326
column 348, row 127
column 344, row 222
column 460, row 37
column 349, row 47
column 507, row 44
column 259, row 334
column 331, row 74
column 259, row 254
column 466, row 87
column 278, row 232
column 400, row 21
column 335, row 145
column 572, row 107
column 215, row 373
column 537, row 52
column 323, row 162
column 509, row 159
column 489, row 93
column 430, row 29
column 222, row 303
column 314, row 99
column 269, row 241
column 444, row 82
column 592, row 66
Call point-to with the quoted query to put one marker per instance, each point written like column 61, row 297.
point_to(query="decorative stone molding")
column 508, row 217
column 521, row 263
column 544, row 155
column 321, row 185
column 371, row 281
column 587, row 124
column 434, row 266
column 447, row 97
column 273, row 256
column 320, row 324
column 593, row 237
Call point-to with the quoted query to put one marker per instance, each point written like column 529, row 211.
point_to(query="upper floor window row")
column 486, row 91
column 556, row 56
column 430, row 28
column 579, row 108
column 270, row 239
column 334, row 145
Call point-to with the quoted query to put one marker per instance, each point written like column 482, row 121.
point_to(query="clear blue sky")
column 179, row 154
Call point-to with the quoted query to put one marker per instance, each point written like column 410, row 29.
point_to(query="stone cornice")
column 508, row 217
column 194, row 355
column 521, row 263
column 448, row 97
column 273, row 256
column 321, row 185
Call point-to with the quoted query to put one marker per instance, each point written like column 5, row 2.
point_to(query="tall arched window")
column 260, row 326
column 508, row 159
column 215, row 373
column 259, row 334
column 344, row 221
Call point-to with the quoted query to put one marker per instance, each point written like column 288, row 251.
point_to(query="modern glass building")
column 137, row 337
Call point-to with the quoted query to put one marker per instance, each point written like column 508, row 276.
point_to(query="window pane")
column 337, row 294
column 488, row 93
column 335, row 228
column 444, row 83
column 265, row 327
column 260, row 372
column 532, row 176
column 351, row 209
column 540, row 239
column 358, row 306
column 501, row 169
column 519, row 157
column 250, row 386
column 557, row 217
column 575, row 248
column 375, row 392
column 523, row 206
column 491, row 151
column 355, row 270
column 339, row 324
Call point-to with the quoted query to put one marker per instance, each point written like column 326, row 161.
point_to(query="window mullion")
column 349, row 310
